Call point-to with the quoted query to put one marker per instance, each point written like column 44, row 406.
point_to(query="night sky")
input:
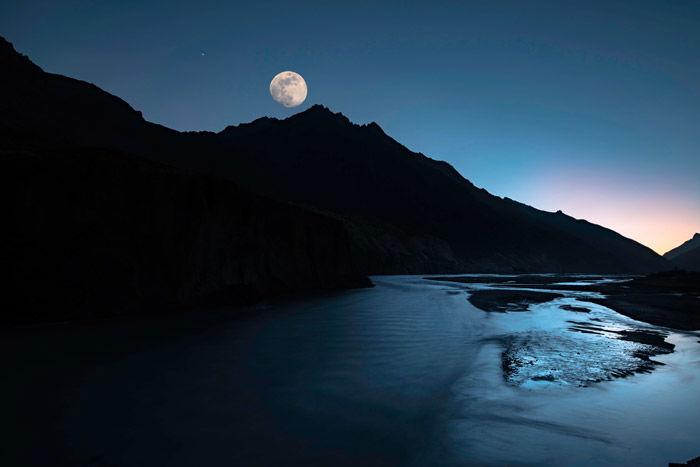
column 592, row 108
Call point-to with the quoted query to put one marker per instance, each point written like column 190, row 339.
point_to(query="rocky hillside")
column 91, row 230
column 320, row 158
column 403, row 211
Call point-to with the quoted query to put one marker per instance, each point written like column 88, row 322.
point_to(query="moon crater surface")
column 288, row 88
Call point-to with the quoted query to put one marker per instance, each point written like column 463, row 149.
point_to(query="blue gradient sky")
column 588, row 107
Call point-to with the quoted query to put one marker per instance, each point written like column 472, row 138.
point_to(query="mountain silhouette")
column 402, row 211
column 91, row 230
column 687, row 255
column 319, row 158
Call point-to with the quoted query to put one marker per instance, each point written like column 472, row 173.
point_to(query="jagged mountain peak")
column 5, row 44
column 252, row 125
column 318, row 117
column 6, row 47
column 319, row 109
column 319, row 114
column 13, row 60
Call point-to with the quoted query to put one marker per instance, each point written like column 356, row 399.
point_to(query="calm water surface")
column 406, row 373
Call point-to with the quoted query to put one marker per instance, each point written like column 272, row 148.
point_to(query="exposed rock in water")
column 509, row 300
column 578, row 309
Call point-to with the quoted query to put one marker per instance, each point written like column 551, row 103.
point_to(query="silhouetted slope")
column 620, row 250
column 403, row 211
column 687, row 255
column 321, row 159
column 49, row 107
column 92, row 231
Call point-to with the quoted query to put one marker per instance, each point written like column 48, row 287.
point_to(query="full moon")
column 288, row 88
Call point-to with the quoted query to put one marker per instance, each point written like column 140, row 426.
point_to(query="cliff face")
column 92, row 231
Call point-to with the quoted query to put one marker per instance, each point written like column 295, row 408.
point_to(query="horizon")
column 586, row 110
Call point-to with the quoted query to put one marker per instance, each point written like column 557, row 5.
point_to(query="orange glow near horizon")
column 651, row 214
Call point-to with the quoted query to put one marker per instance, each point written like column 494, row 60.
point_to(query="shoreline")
column 669, row 299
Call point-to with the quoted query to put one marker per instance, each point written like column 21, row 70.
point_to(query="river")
column 405, row 373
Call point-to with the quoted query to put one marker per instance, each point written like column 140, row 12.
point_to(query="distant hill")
column 403, row 211
column 687, row 255
column 686, row 247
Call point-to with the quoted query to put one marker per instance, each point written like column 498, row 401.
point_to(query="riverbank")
column 670, row 299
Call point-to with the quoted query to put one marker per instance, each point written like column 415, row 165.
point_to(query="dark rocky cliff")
column 90, row 232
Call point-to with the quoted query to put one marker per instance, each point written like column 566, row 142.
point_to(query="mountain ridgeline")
column 409, row 213
column 325, row 181
column 93, row 228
